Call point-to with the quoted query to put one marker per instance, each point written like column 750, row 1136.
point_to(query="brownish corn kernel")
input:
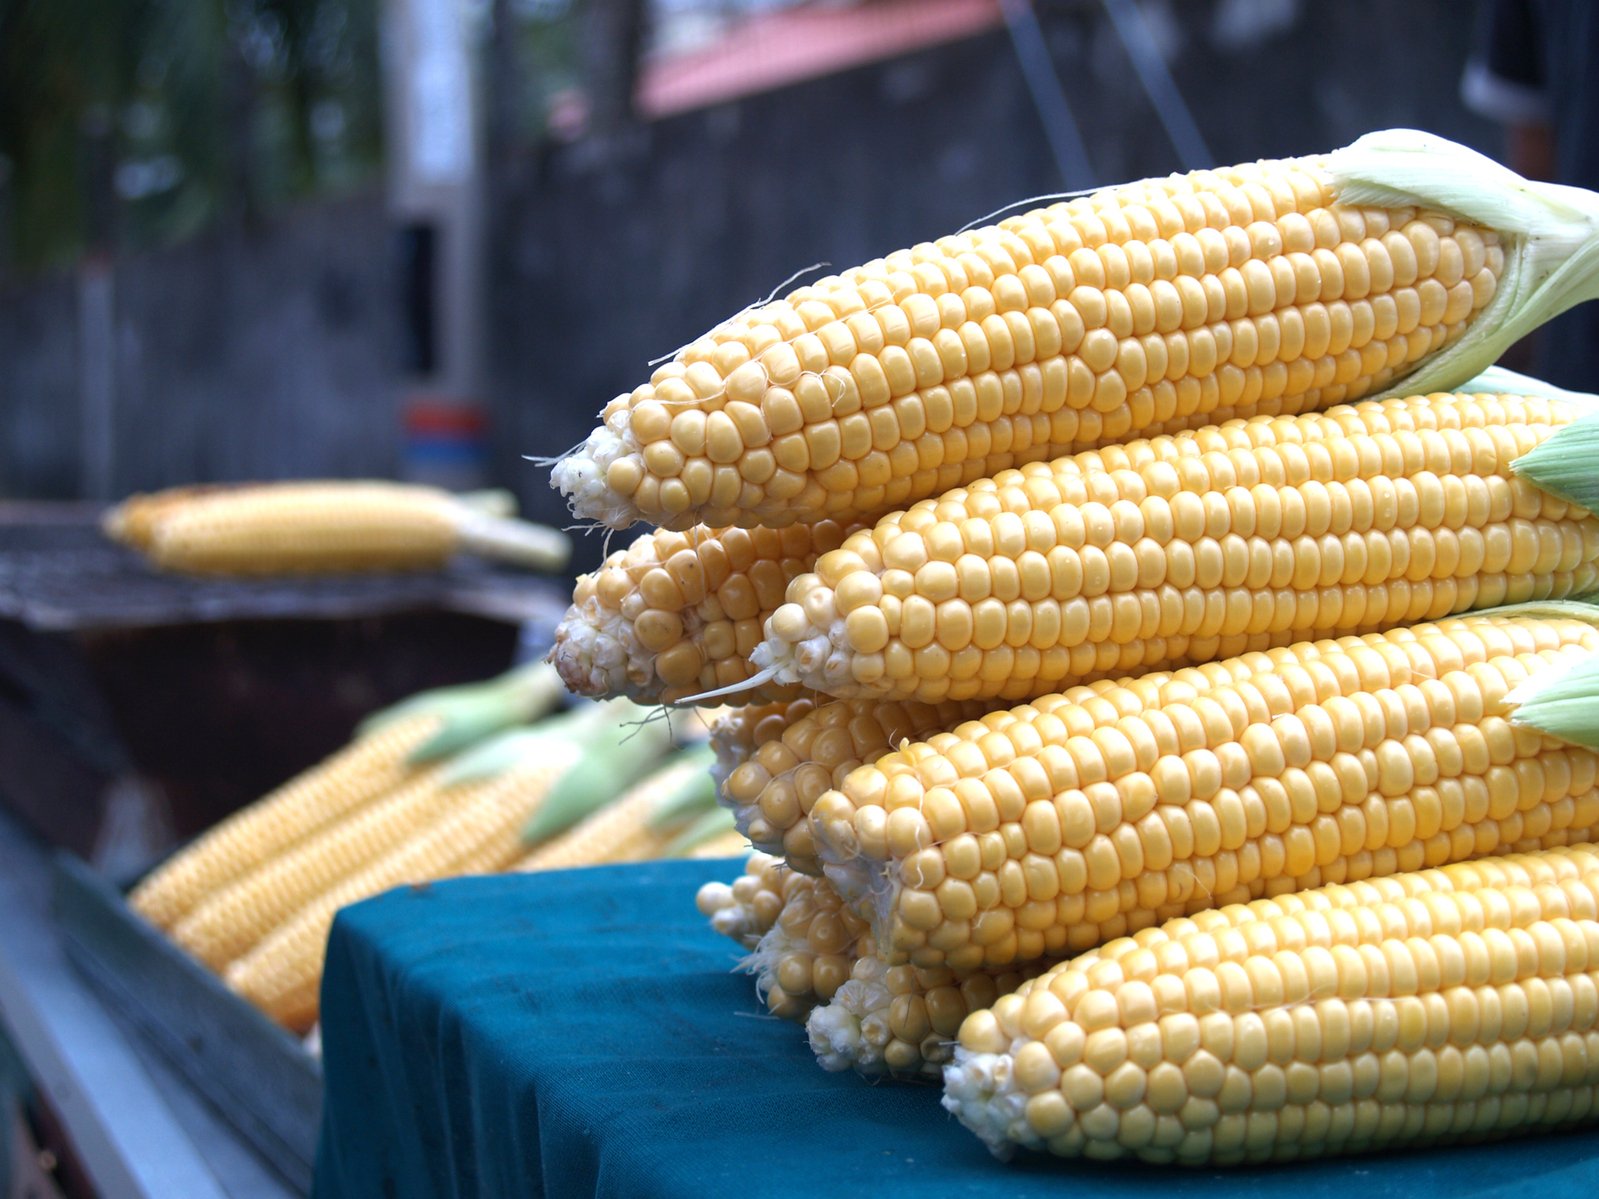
column 1152, row 307
column 1055, row 826
column 1191, row 548
column 296, row 810
column 675, row 614
column 792, row 764
column 1339, row 1020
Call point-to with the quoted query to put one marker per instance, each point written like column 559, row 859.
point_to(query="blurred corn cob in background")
column 318, row 527
column 387, row 751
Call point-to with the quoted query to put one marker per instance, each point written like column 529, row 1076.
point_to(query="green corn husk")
column 474, row 711
column 1550, row 234
column 621, row 747
column 1562, row 703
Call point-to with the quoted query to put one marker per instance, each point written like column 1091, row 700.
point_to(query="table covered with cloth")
column 583, row 1033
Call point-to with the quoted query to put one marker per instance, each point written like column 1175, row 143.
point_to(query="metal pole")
column 1159, row 86
column 1049, row 97
column 436, row 194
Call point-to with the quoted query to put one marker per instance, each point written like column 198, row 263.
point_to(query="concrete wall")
column 277, row 353
column 235, row 356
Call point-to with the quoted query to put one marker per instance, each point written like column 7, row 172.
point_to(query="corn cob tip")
column 584, row 477
column 980, row 1092
column 844, row 1032
column 596, row 654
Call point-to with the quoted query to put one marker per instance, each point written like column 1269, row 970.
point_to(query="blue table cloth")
column 582, row 1033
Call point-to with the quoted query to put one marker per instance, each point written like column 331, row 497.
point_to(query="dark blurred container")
column 137, row 708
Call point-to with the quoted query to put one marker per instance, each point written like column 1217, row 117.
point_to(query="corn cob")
column 1456, row 1004
column 677, row 613
column 388, row 745
column 298, row 809
column 813, row 962
column 281, row 974
column 1058, row 825
column 637, row 825
column 1274, row 287
column 798, row 760
column 237, row 915
column 339, row 526
column 1196, row 547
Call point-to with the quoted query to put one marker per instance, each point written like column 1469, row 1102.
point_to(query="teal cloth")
column 582, row 1033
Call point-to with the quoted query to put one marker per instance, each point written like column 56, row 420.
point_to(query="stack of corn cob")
column 458, row 781
column 325, row 527
column 1181, row 469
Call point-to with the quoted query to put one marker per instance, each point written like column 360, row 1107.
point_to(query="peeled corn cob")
column 1273, row 287
column 800, row 758
column 1455, row 1004
column 1058, row 825
column 307, row 803
column 338, row 526
column 387, row 748
column 281, row 974
column 677, row 613
column 237, row 915
column 1196, row 547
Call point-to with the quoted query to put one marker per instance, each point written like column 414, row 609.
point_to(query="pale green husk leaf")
column 1563, row 703
column 1550, row 234
column 1566, row 463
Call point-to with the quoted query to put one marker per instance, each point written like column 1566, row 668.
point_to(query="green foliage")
column 126, row 123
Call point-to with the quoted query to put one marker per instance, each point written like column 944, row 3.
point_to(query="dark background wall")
column 277, row 352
